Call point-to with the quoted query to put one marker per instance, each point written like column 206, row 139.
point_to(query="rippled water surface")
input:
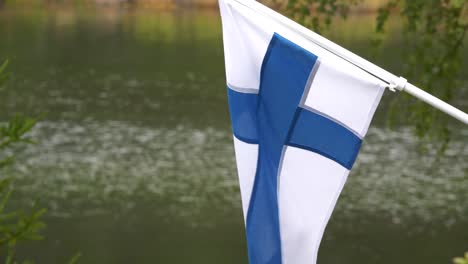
column 135, row 160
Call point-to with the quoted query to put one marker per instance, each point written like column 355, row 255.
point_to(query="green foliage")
column 463, row 260
column 75, row 258
column 318, row 14
column 15, row 130
column 434, row 33
column 4, row 75
column 16, row 226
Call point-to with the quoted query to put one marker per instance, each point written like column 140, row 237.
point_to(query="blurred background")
column 134, row 158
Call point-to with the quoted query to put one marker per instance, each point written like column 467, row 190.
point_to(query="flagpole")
column 393, row 82
column 436, row 102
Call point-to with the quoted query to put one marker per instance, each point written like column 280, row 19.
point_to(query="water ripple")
column 92, row 167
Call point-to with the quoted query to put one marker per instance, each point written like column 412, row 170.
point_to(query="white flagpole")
column 436, row 102
column 394, row 82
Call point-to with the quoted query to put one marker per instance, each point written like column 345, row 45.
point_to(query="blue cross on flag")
column 299, row 114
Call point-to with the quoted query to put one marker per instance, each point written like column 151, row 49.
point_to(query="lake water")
column 135, row 160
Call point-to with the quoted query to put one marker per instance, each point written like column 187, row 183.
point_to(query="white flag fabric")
column 299, row 114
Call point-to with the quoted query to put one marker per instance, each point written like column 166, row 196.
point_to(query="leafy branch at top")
column 318, row 14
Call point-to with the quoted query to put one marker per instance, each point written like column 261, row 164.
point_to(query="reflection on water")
column 116, row 170
column 90, row 165
column 135, row 159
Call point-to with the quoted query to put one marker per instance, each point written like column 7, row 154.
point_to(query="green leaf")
column 4, row 75
column 462, row 260
column 6, row 161
column 75, row 258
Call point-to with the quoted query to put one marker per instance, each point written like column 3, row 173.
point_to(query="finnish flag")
column 299, row 114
